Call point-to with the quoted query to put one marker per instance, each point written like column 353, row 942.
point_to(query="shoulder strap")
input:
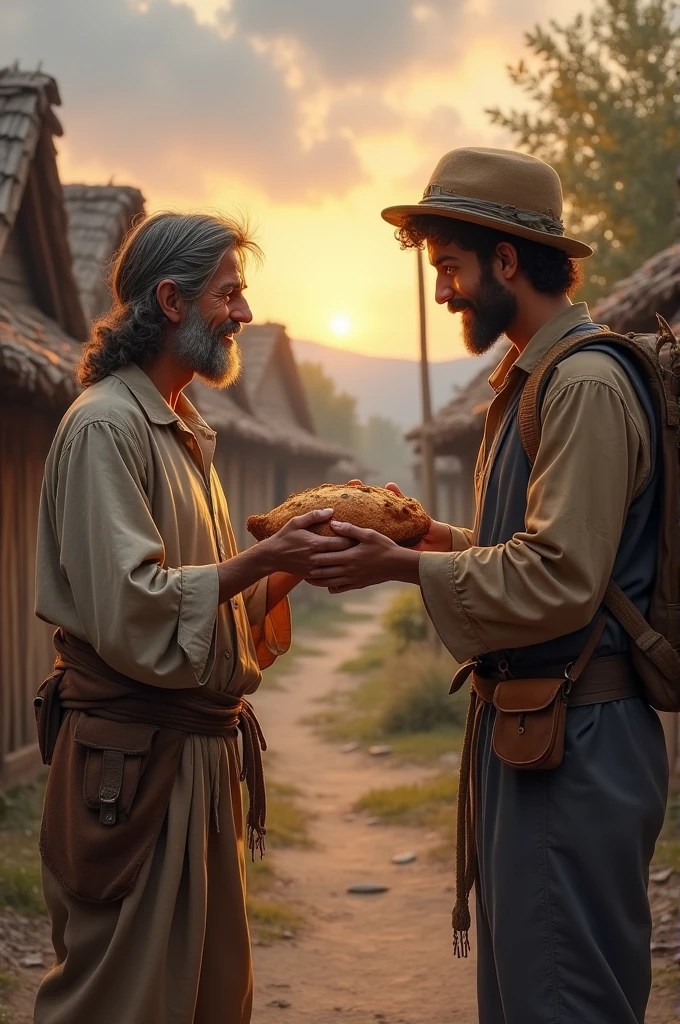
column 655, row 646
column 529, row 415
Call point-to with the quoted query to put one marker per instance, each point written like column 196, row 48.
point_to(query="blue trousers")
column 563, row 919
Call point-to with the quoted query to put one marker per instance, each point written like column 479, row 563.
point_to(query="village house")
column 56, row 243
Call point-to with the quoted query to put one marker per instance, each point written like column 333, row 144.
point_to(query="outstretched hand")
column 296, row 550
column 437, row 538
column 372, row 558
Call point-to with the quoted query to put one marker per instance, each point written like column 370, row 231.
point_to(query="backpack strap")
column 655, row 646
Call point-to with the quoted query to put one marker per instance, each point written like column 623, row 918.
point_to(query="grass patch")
column 428, row 805
column 418, row 804
column 21, row 808
column 287, row 824
column 666, row 977
column 20, row 882
column 269, row 919
column 8, row 981
column 667, row 853
column 402, row 700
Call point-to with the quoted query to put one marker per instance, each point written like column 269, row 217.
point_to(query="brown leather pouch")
column 107, row 796
column 531, row 716
column 48, row 715
column 113, row 762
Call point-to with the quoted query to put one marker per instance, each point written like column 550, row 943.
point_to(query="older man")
column 164, row 628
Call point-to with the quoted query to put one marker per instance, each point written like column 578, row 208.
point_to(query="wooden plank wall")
column 26, row 653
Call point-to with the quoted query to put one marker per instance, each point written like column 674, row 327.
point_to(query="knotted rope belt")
column 597, row 682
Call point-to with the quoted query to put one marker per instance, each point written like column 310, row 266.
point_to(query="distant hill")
column 387, row 387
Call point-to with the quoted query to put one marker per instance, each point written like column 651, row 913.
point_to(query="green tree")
column 334, row 412
column 605, row 98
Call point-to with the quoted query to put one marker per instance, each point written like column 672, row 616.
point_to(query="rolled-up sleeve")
column 271, row 630
column 549, row 579
column 153, row 622
column 461, row 538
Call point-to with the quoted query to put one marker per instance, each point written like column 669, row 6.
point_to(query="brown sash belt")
column 114, row 747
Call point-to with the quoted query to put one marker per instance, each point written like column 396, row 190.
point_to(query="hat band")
column 436, row 196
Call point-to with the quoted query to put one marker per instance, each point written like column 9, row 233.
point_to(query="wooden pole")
column 427, row 471
column 429, row 481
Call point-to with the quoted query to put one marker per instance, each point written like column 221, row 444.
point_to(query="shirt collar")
column 543, row 340
column 152, row 402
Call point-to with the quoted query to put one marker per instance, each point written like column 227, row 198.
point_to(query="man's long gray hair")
column 184, row 248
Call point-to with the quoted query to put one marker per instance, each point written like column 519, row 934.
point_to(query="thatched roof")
column 98, row 218
column 38, row 346
column 227, row 412
column 653, row 288
column 268, row 345
column 30, row 192
column 37, row 359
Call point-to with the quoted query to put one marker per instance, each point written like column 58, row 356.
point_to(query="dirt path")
column 360, row 958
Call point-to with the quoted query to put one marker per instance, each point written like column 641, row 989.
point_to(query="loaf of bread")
column 403, row 520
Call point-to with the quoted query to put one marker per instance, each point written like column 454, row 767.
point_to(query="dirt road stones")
column 367, row 888
column 404, row 858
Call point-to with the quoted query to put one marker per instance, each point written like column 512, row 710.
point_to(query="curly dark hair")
column 548, row 269
column 185, row 248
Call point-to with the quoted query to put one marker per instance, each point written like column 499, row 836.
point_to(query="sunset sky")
column 310, row 114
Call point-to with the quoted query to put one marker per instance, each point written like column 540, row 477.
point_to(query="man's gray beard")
column 202, row 349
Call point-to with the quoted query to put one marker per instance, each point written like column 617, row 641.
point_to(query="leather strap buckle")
column 113, row 762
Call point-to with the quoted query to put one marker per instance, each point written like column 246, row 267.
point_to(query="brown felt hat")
column 499, row 189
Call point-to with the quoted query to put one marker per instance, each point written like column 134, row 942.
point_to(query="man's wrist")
column 406, row 565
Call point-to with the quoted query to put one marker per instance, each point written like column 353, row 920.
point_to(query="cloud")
column 154, row 91
column 275, row 93
column 352, row 40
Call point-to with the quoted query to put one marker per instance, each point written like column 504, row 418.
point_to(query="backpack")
column 655, row 646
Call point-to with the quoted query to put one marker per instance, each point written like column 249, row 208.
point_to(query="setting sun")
column 340, row 325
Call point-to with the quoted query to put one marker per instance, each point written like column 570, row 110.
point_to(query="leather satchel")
column 531, row 714
column 530, row 722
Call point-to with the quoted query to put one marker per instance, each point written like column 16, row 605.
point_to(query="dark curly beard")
column 204, row 350
column 488, row 314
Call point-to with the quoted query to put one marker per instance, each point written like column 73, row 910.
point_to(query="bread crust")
column 403, row 520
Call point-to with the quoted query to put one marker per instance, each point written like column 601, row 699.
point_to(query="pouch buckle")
column 111, row 784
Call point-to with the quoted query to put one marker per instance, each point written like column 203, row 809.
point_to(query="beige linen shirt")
column 594, row 458
column 133, row 522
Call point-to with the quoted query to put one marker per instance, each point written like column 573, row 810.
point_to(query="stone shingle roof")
column 26, row 100
column 98, row 218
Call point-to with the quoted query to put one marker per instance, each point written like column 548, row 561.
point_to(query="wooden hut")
column 41, row 327
column 55, row 246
